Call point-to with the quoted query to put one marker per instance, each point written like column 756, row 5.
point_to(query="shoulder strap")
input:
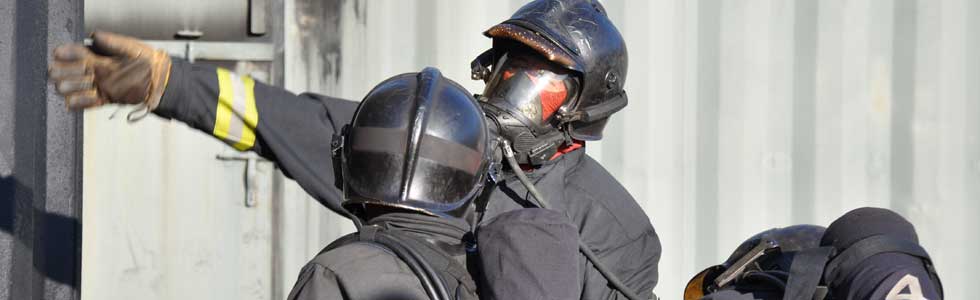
column 444, row 265
column 805, row 273
column 344, row 240
column 433, row 267
column 364, row 234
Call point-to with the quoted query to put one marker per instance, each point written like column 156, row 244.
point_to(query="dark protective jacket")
column 529, row 254
column 368, row 271
column 295, row 131
column 888, row 274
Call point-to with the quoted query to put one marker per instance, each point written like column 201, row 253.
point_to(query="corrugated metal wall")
column 166, row 219
column 747, row 115
column 165, row 213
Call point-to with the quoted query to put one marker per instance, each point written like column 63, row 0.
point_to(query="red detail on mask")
column 576, row 144
column 552, row 96
column 508, row 74
column 568, row 148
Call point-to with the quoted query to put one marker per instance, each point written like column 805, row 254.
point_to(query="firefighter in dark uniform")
column 413, row 164
column 869, row 253
column 412, row 161
column 555, row 75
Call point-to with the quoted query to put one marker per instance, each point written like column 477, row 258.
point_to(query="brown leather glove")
column 116, row 69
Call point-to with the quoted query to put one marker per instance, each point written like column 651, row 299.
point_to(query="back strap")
column 431, row 265
column 439, row 260
column 344, row 240
column 805, row 273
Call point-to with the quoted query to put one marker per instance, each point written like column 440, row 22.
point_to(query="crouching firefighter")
column 412, row 162
column 869, row 253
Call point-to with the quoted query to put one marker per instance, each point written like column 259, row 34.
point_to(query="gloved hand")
column 115, row 69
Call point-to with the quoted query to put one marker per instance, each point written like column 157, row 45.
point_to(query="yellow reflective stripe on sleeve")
column 222, row 116
column 236, row 116
column 251, row 116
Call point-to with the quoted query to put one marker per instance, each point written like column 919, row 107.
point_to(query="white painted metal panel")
column 165, row 219
column 747, row 115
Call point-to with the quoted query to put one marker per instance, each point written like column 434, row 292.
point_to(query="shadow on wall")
column 41, row 232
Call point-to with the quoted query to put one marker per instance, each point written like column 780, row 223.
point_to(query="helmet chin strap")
column 480, row 66
column 594, row 113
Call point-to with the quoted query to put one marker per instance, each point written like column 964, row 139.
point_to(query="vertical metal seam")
column 971, row 175
column 806, row 17
column 614, row 162
column 707, row 139
column 77, row 33
column 904, row 38
column 426, row 33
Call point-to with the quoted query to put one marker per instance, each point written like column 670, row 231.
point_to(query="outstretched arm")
column 294, row 131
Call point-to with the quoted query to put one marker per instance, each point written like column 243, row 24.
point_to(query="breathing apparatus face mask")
column 522, row 98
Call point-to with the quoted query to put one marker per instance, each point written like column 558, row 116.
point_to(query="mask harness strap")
column 542, row 203
column 543, row 142
column 805, row 274
column 431, row 282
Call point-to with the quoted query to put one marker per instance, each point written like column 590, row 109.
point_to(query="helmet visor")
column 530, row 87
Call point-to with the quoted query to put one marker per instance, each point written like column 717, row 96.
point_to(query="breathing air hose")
column 542, row 203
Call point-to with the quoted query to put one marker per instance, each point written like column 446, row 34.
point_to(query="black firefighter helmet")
column 760, row 265
column 555, row 64
column 418, row 142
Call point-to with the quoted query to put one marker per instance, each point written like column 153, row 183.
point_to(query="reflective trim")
column 222, row 116
column 236, row 116
column 539, row 43
column 908, row 283
column 251, row 114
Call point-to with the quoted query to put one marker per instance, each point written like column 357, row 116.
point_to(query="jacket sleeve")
column 615, row 227
column 888, row 276
column 294, row 131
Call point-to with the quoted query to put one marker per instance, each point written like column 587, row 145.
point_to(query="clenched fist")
column 115, row 69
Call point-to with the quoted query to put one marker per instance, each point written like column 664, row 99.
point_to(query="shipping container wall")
column 172, row 212
column 748, row 115
column 743, row 116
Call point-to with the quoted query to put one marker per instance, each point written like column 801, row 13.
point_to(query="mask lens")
column 531, row 88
